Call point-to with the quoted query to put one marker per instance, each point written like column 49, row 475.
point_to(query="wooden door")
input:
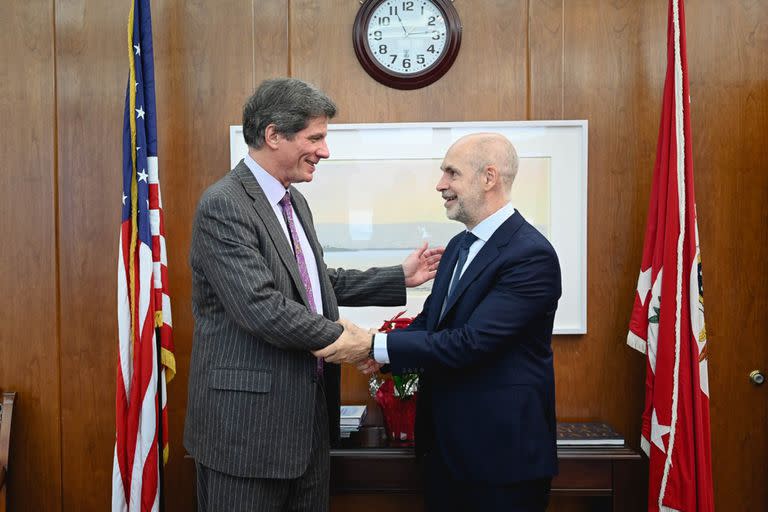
column 728, row 66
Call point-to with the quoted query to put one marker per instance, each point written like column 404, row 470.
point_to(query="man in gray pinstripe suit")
column 261, row 407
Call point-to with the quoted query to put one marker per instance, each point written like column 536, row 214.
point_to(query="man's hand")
column 351, row 347
column 369, row 366
column 420, row 266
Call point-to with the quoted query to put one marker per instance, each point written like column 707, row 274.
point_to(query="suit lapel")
column 442, row 280
column 267, row 215
column 483, row 260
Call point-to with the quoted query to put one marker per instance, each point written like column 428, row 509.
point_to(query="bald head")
column 478, row 171
column 483, row 150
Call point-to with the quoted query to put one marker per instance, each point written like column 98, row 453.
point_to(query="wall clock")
column 407, row 44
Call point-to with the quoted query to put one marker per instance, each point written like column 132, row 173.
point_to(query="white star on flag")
column 644, row 284
column 137, row 47
column 124, row 198
column 140, row 113
column 658, row 431
column 142, row 175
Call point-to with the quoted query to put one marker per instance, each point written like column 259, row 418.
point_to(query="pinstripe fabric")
column 219, row 492
column 252, row 389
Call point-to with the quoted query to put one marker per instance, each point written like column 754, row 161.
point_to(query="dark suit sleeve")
column 420, row 322
column 227, row 252
column 381, row 286
column 526, row 291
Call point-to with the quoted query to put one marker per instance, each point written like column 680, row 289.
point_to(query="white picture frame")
column 381, row 171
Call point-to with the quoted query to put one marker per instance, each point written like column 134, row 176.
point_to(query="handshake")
column 353, row 346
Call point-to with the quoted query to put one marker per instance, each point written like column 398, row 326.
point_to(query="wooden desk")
column 607, row 473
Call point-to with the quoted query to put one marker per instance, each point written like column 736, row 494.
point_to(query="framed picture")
column 374, row 200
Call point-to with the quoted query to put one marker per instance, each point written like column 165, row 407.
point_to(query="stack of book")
column 351, row 418
column 587, row 434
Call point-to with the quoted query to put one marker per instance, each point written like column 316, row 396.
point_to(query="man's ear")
column 490, row 177
column 271, row 137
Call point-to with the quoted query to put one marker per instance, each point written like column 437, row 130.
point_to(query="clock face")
column 406, row 37
column 406, row 44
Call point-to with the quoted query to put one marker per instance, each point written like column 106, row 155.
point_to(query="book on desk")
column 587, row 434
column 350, row 418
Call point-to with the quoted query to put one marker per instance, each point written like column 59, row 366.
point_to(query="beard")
column 466, row 209
column 458, row 213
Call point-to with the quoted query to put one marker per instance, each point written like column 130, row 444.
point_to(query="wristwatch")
column 370, row 352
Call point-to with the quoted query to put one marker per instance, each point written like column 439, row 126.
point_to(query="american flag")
column 145, row 355
column 668, row 316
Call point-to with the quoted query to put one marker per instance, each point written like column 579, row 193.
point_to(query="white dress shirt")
column 275, row 191
column 483, row 231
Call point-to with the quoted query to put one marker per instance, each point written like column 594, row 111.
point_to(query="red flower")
column 397, row 394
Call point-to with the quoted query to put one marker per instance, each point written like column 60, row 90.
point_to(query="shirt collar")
column 488, row 226
column 273, row 189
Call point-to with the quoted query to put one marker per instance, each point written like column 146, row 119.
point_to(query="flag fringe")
column 169, row 361
column 637, row 343
column 680, row 168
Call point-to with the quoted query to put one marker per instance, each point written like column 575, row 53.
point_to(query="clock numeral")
column 393, row 10
column 382, row 49
column 431, row 21
column 431, row 48
column 394, row 58
column 406, row 63
column 420, row 59
column 408, row 6
column 377, row 35
column 436, row 35
column 384, row 21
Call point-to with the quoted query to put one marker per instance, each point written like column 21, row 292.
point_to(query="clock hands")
column 422, row 33
column 402, row 25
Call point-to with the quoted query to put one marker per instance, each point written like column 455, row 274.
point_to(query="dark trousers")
column 220, row 492
column 443, row 493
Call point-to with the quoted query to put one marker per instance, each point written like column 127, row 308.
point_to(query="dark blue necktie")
column 469, row 239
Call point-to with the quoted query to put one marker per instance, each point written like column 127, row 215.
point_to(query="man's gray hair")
column 288, row 103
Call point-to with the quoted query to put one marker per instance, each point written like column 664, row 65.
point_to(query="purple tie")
column 285, row 204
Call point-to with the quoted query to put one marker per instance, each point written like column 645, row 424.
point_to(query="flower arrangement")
column 396, row 394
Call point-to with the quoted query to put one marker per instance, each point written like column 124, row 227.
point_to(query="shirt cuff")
column 380, row 348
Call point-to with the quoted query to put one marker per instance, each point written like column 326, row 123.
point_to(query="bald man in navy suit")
column 486, row 413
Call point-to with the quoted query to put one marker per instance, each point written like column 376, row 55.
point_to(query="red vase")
column 399, row 414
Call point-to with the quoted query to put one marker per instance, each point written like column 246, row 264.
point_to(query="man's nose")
column 323, row 152
column 441, row 185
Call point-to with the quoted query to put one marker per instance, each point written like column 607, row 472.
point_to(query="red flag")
column 668, row 316
column 145, row 359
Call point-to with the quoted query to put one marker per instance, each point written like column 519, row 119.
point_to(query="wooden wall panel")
column 91, row 75
column 207, row 62
column 546, row 32
column 607, row 82
column 728, row 66
column 29, row 342
column 487, row 81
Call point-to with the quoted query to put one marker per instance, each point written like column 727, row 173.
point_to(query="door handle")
column 756, row 377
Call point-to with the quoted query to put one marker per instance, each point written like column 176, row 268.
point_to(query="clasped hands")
column 352, row 346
